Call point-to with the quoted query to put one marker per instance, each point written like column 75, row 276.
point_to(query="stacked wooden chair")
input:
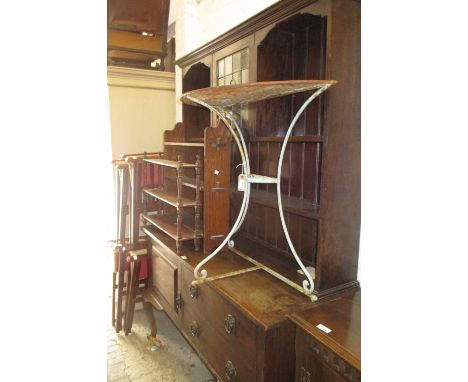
column 131, row 273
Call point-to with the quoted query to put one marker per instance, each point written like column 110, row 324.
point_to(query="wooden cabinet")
column 334, row 355
column 195, row 196
column 164, row 277
column 176, row 226
column 240, row 344
column 227, row 359
column 250, row 326
column 320, row 182
column 165, row 287
column 224, row 320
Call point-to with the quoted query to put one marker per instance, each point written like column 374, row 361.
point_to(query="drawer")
column 227, row 361
column 237, row 330
column 316, row 363
column 164, row 277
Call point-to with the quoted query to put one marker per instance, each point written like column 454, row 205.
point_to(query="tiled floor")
column 128, row 359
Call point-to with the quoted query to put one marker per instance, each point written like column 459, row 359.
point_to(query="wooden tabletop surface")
column 343, row 316
column 229, row 95
column 265, row 299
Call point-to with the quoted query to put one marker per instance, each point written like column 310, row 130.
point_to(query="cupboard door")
column 165, row 277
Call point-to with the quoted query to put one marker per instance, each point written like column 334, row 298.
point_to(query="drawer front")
column 164, row 277
column 236, row 330
column 316, row 363
column 228, row 362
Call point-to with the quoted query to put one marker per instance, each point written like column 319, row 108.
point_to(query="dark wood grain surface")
column 343, row 316
column 224, row 263
column 262, row 297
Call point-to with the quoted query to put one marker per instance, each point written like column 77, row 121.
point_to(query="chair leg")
column 131, row 296
column 120, row 292
column 114, row 278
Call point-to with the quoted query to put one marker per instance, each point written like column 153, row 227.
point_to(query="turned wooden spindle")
column 197, row 202
column 180, row 210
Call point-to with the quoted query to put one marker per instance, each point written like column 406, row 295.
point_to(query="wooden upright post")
column 197, row 203
column 180, row 210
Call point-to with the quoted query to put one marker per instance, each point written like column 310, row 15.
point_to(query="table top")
column 229, row 95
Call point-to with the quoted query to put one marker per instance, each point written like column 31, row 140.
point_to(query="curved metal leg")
column 307, row 284
column 199, row 273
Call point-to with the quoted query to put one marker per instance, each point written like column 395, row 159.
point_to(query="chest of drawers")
column 238, row 324
column 218, row 330
column 334, row 356
column 245, row 338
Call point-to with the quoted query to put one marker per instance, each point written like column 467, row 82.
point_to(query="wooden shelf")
column 170, row 198
column 195, row 139
column 186, row 181
column 284, row 264
column 291, row 204
column 169, row 163
column 151, row 206
column 229, row 95
column 168, row 225
column 185, row 144
column 294, row 138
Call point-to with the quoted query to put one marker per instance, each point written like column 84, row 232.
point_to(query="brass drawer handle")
column 231, row 371
column 230, row 323
column 194, row 293
column 195, row 329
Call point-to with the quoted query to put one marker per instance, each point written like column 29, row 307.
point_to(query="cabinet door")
column 164, row 278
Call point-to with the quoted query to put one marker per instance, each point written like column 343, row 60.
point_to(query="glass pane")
column 236, row 62
column 221, row 81
column 245, row 76
column 236, row 78
column 228, row 65
column 245, row 59
column 228, row 80
column 221, row 68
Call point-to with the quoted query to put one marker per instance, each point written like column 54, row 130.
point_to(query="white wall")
column 142, row 106
column 200, row 21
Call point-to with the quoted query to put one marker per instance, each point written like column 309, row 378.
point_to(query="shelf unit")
column 193, row 189
column 168, row 225
column 174, row 196
column 170, row 198
column 187, row 181
column 320, row 184
column 295, row 205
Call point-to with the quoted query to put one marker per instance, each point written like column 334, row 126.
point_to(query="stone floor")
column 128, row 358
